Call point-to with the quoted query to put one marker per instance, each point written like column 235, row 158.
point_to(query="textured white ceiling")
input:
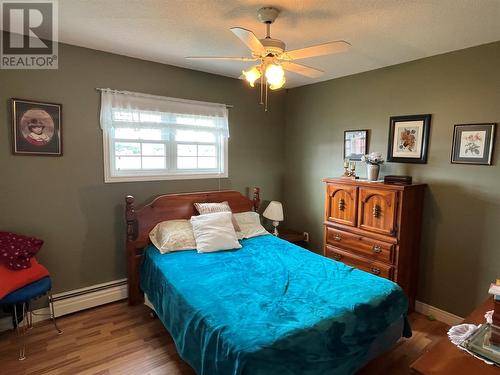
column 382, row 32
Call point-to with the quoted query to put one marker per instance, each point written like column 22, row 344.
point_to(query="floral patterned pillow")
column 173, row 235
column 16, row 250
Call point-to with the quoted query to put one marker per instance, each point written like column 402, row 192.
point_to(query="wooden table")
column 293, row 236
column 446, row 359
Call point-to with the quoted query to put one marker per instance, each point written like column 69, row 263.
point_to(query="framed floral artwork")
column 473, row 144
column 409, row 139
column 36, row 128
column 355, row 144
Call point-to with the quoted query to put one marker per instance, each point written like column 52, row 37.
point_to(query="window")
column 148, row 137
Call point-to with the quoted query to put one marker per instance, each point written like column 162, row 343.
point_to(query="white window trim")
column 145, row 176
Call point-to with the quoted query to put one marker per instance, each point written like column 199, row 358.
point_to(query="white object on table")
column 461, row 332
column 274, row 212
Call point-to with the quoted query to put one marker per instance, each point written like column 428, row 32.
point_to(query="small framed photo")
column 355, row 144
column 409, row 139
column 473, row 144
column 36, row 128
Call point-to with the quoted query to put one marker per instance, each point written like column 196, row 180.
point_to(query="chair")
column 23, row 296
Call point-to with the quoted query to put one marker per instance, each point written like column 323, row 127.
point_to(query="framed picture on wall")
column 36, row 128
column 355, row 144
column 409, row 139
column 473, row 144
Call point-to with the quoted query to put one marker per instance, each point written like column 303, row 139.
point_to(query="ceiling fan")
column 272, row 56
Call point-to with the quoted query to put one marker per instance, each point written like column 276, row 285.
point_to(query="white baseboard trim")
column 438, row 314
column 78, row 300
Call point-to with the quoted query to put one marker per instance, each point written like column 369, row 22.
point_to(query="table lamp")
column 274, row 212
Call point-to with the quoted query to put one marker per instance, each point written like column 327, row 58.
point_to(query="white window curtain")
column 148, row 137
column 137, row 110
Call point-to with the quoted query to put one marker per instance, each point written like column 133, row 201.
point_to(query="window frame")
column 111, row 175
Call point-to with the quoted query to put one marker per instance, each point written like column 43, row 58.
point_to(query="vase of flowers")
column 373, row 162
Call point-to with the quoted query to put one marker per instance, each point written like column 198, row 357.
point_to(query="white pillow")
column 173, row 235
column 214, row 232
column 210, row 208
column 249, row 223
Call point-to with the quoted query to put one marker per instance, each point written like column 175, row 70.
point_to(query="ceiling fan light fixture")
column 279, row 85
column 252, row 75
column 272, row 56
column 275, row 75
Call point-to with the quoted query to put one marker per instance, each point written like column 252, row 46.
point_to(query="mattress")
column 272, row 308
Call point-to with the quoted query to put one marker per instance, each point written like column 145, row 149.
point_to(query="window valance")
column 130, row 109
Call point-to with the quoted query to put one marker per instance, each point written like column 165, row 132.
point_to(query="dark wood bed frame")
column 140, row 221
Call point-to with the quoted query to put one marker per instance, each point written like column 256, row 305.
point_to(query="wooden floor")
column 118, row 339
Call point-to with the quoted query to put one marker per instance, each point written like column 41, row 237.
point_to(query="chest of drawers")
column 375, row 227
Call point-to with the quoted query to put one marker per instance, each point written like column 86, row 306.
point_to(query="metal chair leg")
column 52, row 313
column 21, row 334
column 27, row 320
column 29, row 316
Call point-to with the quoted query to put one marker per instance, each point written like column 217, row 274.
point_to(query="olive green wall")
column 65, row 201
column 460, row 240
column 286, row 152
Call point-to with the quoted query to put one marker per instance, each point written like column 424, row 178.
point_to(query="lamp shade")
column 274, row 211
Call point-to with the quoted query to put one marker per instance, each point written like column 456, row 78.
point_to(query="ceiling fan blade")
column 221, row 58
column 302, row 69
column 250, row 40
column 318, row 50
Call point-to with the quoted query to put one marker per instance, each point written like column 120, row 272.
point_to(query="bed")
column 270, row 307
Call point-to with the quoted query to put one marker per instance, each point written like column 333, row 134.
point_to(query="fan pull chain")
column 261, row 88
column 266, row 98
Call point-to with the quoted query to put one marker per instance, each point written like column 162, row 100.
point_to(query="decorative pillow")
column 210, row 208
column 249, row 223
column 173, row 235
column 214, row 232
column 16, row 250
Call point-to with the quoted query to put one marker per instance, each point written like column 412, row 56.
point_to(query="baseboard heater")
column 78, row 300
column 85, row 298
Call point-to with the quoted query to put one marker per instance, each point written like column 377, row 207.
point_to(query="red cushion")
column 16, row 250
column 13, row 280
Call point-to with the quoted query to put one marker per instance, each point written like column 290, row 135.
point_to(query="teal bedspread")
column 269, row 308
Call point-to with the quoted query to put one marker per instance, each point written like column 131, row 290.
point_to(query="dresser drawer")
column 367, row 247
column 364, row 264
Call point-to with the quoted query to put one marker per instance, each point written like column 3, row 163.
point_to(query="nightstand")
column 298, row 238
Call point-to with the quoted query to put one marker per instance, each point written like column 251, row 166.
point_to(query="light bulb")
column 278, row 85
column 252, row 75
column 275, row 75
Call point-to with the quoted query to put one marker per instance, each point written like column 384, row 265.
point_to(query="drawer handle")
column 337, row 237
column 377, row 249
column 376, row 271
column 376, row 211
column 342, row 204
column 337, row 256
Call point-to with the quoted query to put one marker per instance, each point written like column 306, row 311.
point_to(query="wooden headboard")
column 140, row 221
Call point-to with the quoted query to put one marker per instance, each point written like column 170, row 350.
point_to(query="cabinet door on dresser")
column 341, row 204
column 378, row 210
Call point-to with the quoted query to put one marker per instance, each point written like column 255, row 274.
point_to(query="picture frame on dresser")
column 409, row 139
column 473, row 144
column 355, row 144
